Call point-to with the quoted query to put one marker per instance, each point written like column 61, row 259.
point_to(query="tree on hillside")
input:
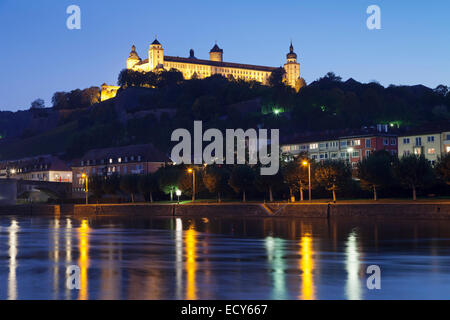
column 333, row 175
column 59, row 100
column 38, row 104
column 147, row 185
column 215, row 179
column 443, row 168
column 206, row 107
column 414, row 172
column 169, row 78
column 76, row 99
column 241, row 179
column 375, row 171
column 129, row 185
column 276, row 78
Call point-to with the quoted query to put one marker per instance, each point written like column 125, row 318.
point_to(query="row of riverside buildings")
column 144, row 158
column 135, row 159
column 353, row 148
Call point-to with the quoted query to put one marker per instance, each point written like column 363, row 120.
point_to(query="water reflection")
column 352, row 262
column 55, row 257
column 68, row 249
column 275, row 256
column 83, row 262
column 307, row 266
column 195, row 258
column 12, row 252
column 191, row 264
column 179, row 258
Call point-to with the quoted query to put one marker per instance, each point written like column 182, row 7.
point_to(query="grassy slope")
column 50, row 142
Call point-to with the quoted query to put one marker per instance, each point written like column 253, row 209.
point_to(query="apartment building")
column 136, row 159
column 349, row 148
column 430, row 144
column 45, row 168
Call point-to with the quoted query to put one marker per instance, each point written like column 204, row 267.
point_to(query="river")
column 222, row 258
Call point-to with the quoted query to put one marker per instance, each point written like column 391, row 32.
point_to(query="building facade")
column 40, row 168
column 348, row 148
column 430, row 144
column 192, row 67
column 137, row 159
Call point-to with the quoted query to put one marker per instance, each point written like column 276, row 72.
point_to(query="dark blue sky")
column 40, row 55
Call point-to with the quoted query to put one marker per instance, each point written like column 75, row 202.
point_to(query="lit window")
column 418, row 151
column 431, row 151
column 111, row 160
column 313, row 146
column 119, row 160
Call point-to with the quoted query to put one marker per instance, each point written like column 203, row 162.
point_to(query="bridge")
column 11, row 189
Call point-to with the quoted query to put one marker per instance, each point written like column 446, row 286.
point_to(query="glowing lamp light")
column 178, row 192
column 190, row 170
column 350, row 150
column 276, row 111
column 305, row 163
column 13, row 171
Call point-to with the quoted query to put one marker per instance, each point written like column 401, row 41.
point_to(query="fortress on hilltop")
column 198, row 68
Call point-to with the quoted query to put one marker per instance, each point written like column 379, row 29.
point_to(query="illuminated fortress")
column 198, row 68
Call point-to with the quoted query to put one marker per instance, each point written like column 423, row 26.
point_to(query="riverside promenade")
column 399, row 209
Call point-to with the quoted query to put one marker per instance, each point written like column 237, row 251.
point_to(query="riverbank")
column 399, row 210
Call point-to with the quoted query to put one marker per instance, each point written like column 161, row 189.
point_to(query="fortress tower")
column 216, row 54
column 292, row 68
column 133, row 59
column 155, row 56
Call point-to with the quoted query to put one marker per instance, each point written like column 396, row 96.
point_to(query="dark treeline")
column 378, row 174
column 76, row 99
column 151, row 105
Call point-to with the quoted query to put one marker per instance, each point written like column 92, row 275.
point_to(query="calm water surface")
column 190, row 258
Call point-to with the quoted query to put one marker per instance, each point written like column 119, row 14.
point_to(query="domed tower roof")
column 191, row 54
column 291, row 54
column 133, row 53
column 216, row 49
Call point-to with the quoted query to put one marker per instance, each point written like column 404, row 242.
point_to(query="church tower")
column 216, row 54
column 292, row 68
column 133, row 58
column 155, row 55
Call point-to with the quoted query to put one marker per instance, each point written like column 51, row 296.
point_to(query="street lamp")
column 86, row 178
column 178, row 192
column 308, row 164
column 190, row 170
